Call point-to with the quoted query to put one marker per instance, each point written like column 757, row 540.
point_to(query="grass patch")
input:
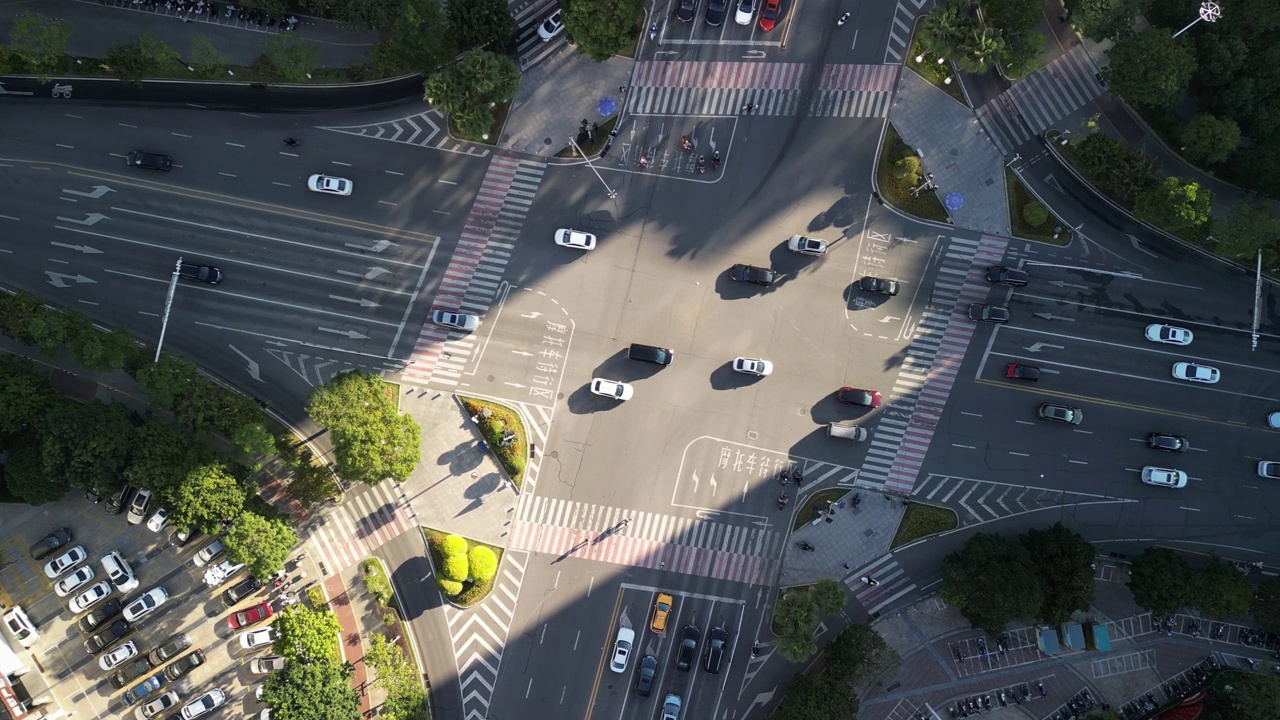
column 591, row 149
column 922, row 520
column 316, row 599
column 376, row 582
column 816, row 503
column 504, row 432
column 1051, row 231
column 97, row 67
column 936, row 73
column 470, row 590
column 499, row 112
column 925, row 205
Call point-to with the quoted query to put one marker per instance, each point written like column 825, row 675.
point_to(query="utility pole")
column 168, row 303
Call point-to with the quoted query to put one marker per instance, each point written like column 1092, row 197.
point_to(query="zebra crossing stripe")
column 1041, row 99
column 364, row 522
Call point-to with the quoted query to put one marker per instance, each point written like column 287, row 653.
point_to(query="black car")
column 650, row 354
column 688, row 647
column 716, row 646
column 687, row 8
column 240, row 591
column 981, row 312
column 1004, row 275
column 184, row 665
column 51, row 542
column 170, row 649
column 1017, row 371
column 880, row 286
column 644, row 676
column 129, row 673
column 101, row 614
column 149, row 160
column 115, row 503
column 93, row 495
column 1060, row 413
column 715, row 12
column 108, row 637
column 203, row 273
column 1167, row 442
column 182, row 535
column 751, row 273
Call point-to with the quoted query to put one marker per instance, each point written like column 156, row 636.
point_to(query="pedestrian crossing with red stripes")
column 776, row 89
column 473, row 278
column 1041, row 99
column 368, row 517
column 690, row 546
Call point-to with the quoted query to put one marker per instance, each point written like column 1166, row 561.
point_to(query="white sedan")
column 1164, row 477
column 575, row 239
column 118, row 655
column 205, row 703
column 65, row 562
column 257, row 638
column 329, row 185
column 746, row 9
column 455, row 320
column 551, row 27
column 90, row 597
column 752, row 366
column 807, row 245
column 66, row 585
column 622, row 649
column 1169, row 334
column 611, row 389
column 1192, row 372
column 150, row 600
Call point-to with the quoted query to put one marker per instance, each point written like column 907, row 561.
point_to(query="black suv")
column 175, row 645
column 130, row 672
column 203, row 273
column 106, row 638
column 149, row 160
column 184, row 664
column 115, row 503
column 751, row 273
column 688, row 647
column 879, row 286
column 105, row 612
column 1004, row 275
column 650, row 354
column 715, row 650
column 240, row 591
column 54, row 540
column 715, row 12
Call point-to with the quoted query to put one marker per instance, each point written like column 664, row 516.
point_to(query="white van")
column 846, row 431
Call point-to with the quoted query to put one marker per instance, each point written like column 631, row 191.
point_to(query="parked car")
column 73, row 581
column 688, row 647
column 222, row 572
column 769, row 14
column 661, row 611
column 171, row 648
column 87, row 599
column 1004, row 275
column 857, row 396
column 130, row 672
column 204, row 704
column 250, row 616
column 268, row 664
column 257, row 638
column 119, row 572
column 619, row 391
column 179, row 537
column 240, row 591
column 329, row 185
column 51, row 543
column 116, row 503
column 138, row 507
column 1015, row 371
column 752, row 366
column 93, row 620
column 208, row 552
column 455, row 320
column 157, row 706
column 145, row 604
column 551, row 27
column 65, row 562
column 142, row 689
column 746, row 10
column 149, row 160
column 105, row 639
column 15, row 618
column 622, row 649
column 645, row 671
column 158, row 520
column 118, row 654
column 686, row 10
column 650, row 354
column 184, row 665
column 715, row 12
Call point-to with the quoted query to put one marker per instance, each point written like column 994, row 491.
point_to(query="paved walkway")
column 556, row 94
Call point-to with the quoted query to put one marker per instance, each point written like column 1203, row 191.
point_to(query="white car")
column 1168, row 334
column 150, row 600
column 268, row 664
column 119, row 572
column 329, row 185
column 1269, row 469
column 1192, row 372
column 807, row 245
column 68, row 584
column 65, row 562
column 455, row 320
column 208, row 552
column 746, row 9
column 622, row 649
column 203, row 704
column 1164, row 477
column 220, row 573
column 265, row 714
column 157, row 706
column 21, row 626
column 551, row 27
column 752, row 366
column 159, row 520
column 575, row 239
column 118, row 655
column 257, row 638
column 90, row 597
column 1273, row 420
column 612, row 389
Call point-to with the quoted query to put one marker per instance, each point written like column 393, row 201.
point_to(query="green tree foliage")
column 603, row 28
column 162, row 456
column 39, row 43
column 55, row 330
column 858, row 655
column 478, row 77
column 395, row 674
column 481, row 24
column 25, row 394
column 908, row 170
column 828, row 596
column 484, row 564
column 1022, row 54
column 262, row 545
column 1247, row 696
column 309, row 482
column 1160, row 581
column 17, row 312
column 1180, row 206
column 86, row 445
column 288, row 58
column 1063, row 561
column 205, row 58
column 372, row 441
column 1151, row 68
column 253, row 444
column 373, row 14
column 25, row 476
column 1249, row 228
column 206, row 497
column 1012, row 15
column 104, row 351
column 420, row 39
column 793, row 621
column 1222, row 591
column 1266, row 605
column 144, row 57
column 1035, row 213
column 1101, row 19
column 310, row 690
column 992, row 582
column 942, row 30
column 166, row 380
column 1209, row 139
column 980, row 49
column 176, row 385
column 306, row 636
column 1119, row 170
column 817, row 695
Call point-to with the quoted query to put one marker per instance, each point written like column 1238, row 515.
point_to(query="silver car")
column 455, row 320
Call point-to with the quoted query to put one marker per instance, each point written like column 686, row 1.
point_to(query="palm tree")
column 943, row 28
column 980, row 49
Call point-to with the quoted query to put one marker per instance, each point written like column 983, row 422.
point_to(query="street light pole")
column 168, row 303
column 613, row 194
column 1209, row 12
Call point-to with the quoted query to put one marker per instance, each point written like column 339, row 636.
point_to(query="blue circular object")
column 953, row 201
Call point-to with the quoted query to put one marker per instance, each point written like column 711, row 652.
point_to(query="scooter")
column 870, row 580
column 644, row 161
column 653, row 30
column 715, row 161
column 685, row 143
column 702, row 163
column 783, row 500
column 843, row 19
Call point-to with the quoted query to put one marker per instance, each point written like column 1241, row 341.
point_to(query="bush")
column 450, row 588
column 375, row 581
column 453, row 545
column 316, row 599
column 501, row 420
column 1035, row 213
column 390, row 619
column 456, row 567
column 484, row 565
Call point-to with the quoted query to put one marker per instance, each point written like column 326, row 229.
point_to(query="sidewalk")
column 556, row 94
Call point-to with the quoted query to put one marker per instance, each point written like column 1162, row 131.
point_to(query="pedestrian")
column 662, row 564
column 626, row 521
column 622, row 89
column 846, row 566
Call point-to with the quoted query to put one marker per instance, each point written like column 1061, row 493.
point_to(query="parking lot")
column 185, row 606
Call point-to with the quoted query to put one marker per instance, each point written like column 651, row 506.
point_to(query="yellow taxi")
column 661, row 609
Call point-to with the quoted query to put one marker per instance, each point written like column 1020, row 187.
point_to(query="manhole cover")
column 547, row 141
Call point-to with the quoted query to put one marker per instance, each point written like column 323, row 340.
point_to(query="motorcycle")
column 715, row 161
column 644, row 161
column 653, row 30
column 804, row 545
column 870, row 580
column 291, row 142
column 843, row 19
column 702, row 163
column 783, row 499
column 685, row 143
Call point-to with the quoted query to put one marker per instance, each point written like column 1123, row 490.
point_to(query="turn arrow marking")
column 98, row 191
column 90, row 219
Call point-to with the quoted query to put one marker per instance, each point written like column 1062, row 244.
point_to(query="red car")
column 255, row 614
column 1014, row 371
column 769, row 14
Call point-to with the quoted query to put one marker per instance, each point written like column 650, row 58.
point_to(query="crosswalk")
column 424, row 129
column 473, row 277
column 690, row 546
column 979, row 501
column 904, row 19
column 928, row 371
column 369, row 517
column 1038, row 101
column 892, row 584
column 776, row 89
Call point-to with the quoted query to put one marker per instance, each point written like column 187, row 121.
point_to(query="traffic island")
column 936, row 70
column 504, row 434
column 898, row 172
column 464, row 569
column 920, row 520
column 1031, row 219
column 817, row 506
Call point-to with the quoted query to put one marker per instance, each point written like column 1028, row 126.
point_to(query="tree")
column 135, row 61
column 393, row 672
column 980, row 49
column 39, row 42
column 25, row 394
column 25, row 476
column 420, row 38
column 1119, row 170
column 1222, row 591
column 1248, row 696
column 481, row 24
column 253, row 443
column 1151, row 68
column 208, row 496
column 55, row 330
column 262, row 545
column 1102, row 19
column 288, row 58
column 1160, row 580
column 1064, row 563
column 477, row 77
column 1022, row 54
column 943, row 28
column 104, row 351
column 992, row 582
column 311, row 690
column 86, row 445
column 908, row 170
column 1012, row 16
column 1248, row 229
column 162, row 456
column 1180, row 206
column 372, row 441
column 603, row 28
column 167, row 379
column 305, row 636
column 1035, row 213
column 17, row 312
column 858, row 655
column 1266, row 605
column 817, row 695
column 205, row 58
column 793, row 620
column 828, row 596
column 1208, row 139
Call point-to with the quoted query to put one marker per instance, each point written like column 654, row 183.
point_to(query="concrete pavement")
column 556, row 94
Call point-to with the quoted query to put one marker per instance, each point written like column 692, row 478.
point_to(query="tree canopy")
column 25, row 394
column 992, row 582
column 262, row 545
column 1102, row 19
column 87, row 445
column 1221, row 591
column 311, row 690
column 797, row 613
column 1151, row 68
column 1266, row 605
column 481, row 24
column 1160, row 580
column 1209, row 139
column 602, row 28
column 208, row 496
column 1249, row 228
column 1178, row 205
column 39, row 42
column 1063, row 560
column 372, row 441
column 306, row 636
column 394, row 673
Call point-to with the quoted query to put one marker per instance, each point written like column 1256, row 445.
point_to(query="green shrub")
column 375, row 581
column 456, row 567
column 449, row 587
column 1035, row 213
column 452, row 545
column 390, row 619
column 315, row 598
column 484, row 565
